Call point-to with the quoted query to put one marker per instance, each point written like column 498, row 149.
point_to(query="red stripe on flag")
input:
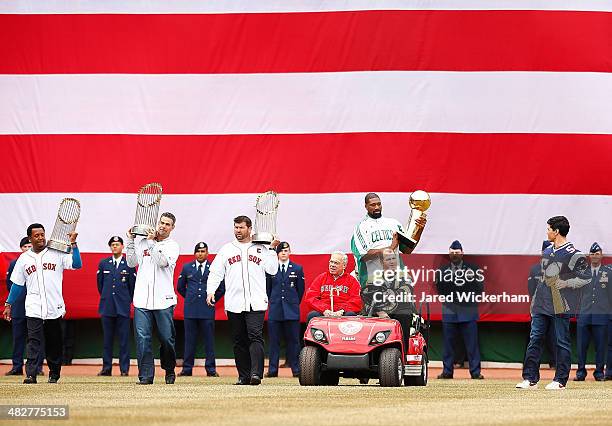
column 312, row 163
column 307, row 42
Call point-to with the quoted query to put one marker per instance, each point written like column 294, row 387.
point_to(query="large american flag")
column 500, row 109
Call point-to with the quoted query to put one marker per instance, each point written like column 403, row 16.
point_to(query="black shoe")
column 241, row 382
column 53, row 378
column 268, row 374
column 445, row 376
column 144, row 382
column 30, row 380
column 255, row 380
column 212, row 374
column 124, row 374
column 185, row 373
column 607, row 378
column 296, row 374
column 105, row 373
column 14, row 372
column 579, row 379
column 478, row 376
column 599, row 379
column 170, row 377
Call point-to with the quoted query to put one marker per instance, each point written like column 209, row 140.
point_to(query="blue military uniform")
column 285, row 291
column 19, row 326
column 593, row 320
column 199, row 317
column 460, row 316
column 116, row 289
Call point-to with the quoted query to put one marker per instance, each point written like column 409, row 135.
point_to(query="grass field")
column 199, row 400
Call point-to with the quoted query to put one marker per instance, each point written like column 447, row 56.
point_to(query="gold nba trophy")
column 147, row 208
column 266, row 207
column 419, row 203
column 67, row 217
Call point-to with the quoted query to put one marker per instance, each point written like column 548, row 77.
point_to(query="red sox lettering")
column 237, row 258
column 329, row 287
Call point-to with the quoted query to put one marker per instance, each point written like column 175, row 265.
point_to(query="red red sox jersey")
column 42, row 274
column 244, row 267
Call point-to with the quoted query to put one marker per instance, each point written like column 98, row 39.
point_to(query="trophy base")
column 142, row 230
column 263, row 238
column 59, row 246
column 406, row 240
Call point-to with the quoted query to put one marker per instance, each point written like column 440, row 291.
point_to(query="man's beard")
column 375, row 215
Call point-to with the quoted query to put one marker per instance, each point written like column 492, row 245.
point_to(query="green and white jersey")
column 372, row 234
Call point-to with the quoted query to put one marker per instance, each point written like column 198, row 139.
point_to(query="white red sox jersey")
column 244, row 267
column 42, row 274
column 154, row 288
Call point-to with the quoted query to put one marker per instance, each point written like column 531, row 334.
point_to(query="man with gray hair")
column 334, row 293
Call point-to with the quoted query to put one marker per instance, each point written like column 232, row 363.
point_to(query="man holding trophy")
column 154, row 297
column 244, row 263
column 564, row 268
column 41, row 271
column 376, row 233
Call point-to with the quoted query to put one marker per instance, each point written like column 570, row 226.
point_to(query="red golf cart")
column 363, row 348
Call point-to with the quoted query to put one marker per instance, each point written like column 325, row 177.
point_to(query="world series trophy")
column 266, row 207
column 147, row 208
column 419, row 203
column 551, row 276
column 67, row 217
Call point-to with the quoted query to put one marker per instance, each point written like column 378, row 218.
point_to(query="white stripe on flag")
column 341, row 102
column 282, row 6
column 322, row 223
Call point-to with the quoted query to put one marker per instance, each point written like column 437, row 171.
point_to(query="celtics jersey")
column 372, row 234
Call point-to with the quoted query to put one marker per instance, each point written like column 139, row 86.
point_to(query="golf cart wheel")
column 310, row 366
column 419, row 380
column 330, row 378
column 391, row 368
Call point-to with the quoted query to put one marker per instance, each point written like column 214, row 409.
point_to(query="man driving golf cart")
column 390, row 294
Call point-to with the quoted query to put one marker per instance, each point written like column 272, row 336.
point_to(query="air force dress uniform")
column 285, row 291
column 116, row 282
column 460, row 316
column 199, row 317
column 593, row 318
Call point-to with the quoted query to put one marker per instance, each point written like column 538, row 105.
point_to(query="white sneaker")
column 555, row 386
column 526, row 384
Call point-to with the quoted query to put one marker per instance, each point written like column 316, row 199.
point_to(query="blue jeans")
column 539, row 325
column 143, row 331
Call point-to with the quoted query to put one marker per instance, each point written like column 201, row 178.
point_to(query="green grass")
column 118, row 401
